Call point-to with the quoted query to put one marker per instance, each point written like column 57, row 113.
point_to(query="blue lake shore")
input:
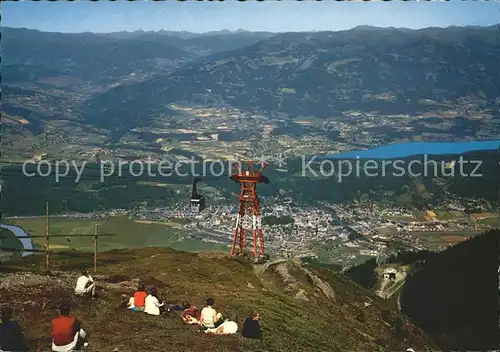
column 403, row 150
column 22, row 236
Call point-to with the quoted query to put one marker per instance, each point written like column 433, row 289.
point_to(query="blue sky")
column 287, row 15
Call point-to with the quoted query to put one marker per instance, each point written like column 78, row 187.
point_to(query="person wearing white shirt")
column 85, row 285
column 152, row 305
column 209, row 317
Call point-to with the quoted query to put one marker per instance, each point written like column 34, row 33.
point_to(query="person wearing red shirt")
column 137, row 302
column 67, row 333
column 191, row 314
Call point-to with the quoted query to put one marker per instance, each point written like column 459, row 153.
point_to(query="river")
column 20, row 233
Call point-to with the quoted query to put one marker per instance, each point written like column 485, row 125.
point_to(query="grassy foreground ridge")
column 302, row 309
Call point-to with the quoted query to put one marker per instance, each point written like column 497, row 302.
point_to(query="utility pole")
column 95, row 247
column 47, row 235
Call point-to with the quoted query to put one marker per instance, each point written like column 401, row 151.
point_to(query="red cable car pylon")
column 249, row 208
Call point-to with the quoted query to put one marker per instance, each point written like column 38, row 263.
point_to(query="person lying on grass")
column 226, row 328
column 191, row 314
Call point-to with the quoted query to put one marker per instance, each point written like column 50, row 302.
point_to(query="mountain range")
column 106, row 57
column 320, row 74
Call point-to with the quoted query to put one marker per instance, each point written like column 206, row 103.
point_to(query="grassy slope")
column 126, row 230
column 289, row 323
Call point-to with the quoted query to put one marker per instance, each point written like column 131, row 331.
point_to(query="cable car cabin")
column 197, row 204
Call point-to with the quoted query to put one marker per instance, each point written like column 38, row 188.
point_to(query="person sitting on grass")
column 209, row 318
column 151, row 304
column 191, row 314
column 85, row 285
column 67, row 333
column 138, row 301
column 11, row 334
column 251, row 327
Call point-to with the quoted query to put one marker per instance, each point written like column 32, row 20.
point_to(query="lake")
column 402, row 150
column 22, row 236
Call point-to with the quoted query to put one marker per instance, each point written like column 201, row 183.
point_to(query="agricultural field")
column 450, row 214
column 128, row 233
column 398, row 217
column 331, row 250
column 436, row 240
column 487, row 218
column 491, row 221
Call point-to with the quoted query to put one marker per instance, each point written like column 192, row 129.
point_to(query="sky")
column 274, row 16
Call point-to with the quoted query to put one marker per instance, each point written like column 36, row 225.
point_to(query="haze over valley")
column 305, row 93
column 162, row 95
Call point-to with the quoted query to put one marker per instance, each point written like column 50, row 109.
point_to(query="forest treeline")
column 452, row 294
column 126, row 190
